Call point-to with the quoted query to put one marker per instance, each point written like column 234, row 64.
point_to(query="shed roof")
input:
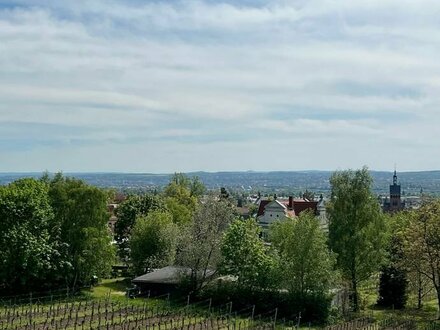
column 166, row 275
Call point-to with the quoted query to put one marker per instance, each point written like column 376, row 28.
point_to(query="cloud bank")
column 164, row 86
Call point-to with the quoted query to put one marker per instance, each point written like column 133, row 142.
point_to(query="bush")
column 313, row 308
column 392, row 289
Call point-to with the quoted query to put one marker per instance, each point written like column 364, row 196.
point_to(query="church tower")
column 395, row 195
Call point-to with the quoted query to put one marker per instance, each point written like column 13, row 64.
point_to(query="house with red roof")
column 270, row 211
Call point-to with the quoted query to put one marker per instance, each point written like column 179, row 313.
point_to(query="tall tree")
column 418, row 283
column 422, row 243
column 305, row 259
column 196, row 187
column 128, row 211
column 246, row 256
column 393, row 281
column 193, row 185
column 199, row 248
column 28, row 253
column 81, row 214
column 356, row 227
column 181, row 196
column 153, row 241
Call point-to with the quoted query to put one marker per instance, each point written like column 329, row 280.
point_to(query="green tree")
column 245, row 255
column 153, row 241
column 128, row 211
column 306, row 263
column 392, row 287
column 393, row 281
column 200, row 241
column 181, row 213
column 422, row 243
column 180, row 181
column 309, row 195
column 81, row 216
column 196, row 187
column 28, row 254
column 356, row 227
column 224, row 194
column 418, row 283
column 181, row 196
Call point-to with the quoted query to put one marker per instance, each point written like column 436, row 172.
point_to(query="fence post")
column 299, row 320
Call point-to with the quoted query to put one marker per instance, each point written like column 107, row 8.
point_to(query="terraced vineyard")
column 120, row 315
column 106, row 310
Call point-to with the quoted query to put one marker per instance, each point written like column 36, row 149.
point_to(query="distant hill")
column 288, row 182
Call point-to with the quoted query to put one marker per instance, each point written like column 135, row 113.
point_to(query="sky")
column 165, row 86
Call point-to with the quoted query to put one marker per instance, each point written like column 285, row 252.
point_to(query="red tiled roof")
column 299, row 205
column 262, row 207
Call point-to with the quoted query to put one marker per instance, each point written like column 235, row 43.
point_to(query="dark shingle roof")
column 166, row 275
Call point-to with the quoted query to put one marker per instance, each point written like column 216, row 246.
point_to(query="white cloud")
column 116, row 74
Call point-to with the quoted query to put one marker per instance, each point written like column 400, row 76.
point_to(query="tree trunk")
column 355, row 297
column 419, row 290
column 438, row 301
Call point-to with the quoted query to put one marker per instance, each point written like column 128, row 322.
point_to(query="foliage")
column 181, row 196
column 312, row 308
column 81, row 215
column 181, row 213
column 253, row 209
column 196, row 187
column 356, row 227
column 306, row 263
column 422, row 243
column 245, row 255
column 133, row 207
column 153, row 241
column 200, row 241
column 53, row 233
column 309, row 195
column 224, row 194
column 393, row 278
column 392, row 287
column 180, row 181
column 27, row 252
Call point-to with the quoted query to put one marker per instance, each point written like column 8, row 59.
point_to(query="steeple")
column 395, row 194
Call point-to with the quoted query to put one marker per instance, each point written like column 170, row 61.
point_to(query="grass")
column 113, row 287
column 426, row 314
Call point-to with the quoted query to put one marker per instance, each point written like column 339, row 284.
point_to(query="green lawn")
column 113, row 287
column 428, row 312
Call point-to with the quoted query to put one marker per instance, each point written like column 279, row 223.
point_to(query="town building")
column 111, row 207
column 270, row 211
column 394, row 202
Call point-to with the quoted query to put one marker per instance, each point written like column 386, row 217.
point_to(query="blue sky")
column 163, row 86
